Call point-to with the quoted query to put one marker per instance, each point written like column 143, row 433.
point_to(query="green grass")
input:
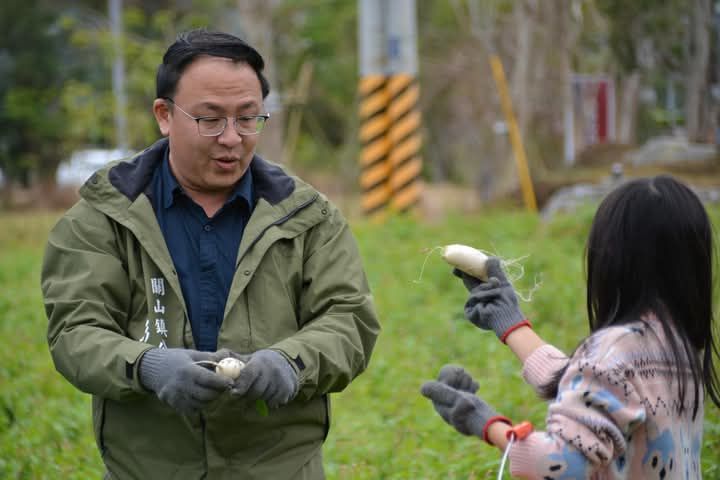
column 382, row 427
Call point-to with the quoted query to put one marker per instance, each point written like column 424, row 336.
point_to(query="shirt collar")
column 171, row 188
column 170, row 185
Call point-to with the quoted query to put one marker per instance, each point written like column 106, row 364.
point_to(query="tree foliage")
column 34, row 65
column 89, row 99
column 648, row 34
column 56, row 61
column 55, row 76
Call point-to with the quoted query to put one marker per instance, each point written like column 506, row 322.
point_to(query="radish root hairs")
column 422, row 269
column 512, row 266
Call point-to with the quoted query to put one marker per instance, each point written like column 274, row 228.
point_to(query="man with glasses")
column 195, row 250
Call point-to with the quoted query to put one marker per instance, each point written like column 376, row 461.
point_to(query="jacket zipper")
column 279, row 221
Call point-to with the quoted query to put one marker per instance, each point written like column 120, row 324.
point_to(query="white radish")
column 468, row 259
column 229, row 367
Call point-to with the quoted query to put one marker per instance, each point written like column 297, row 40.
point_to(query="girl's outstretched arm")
column 541, row 361
column 523, row 341
column 493, row 305
column 497, row 435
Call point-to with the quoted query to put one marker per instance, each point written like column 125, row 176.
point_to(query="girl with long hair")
column 628, row 403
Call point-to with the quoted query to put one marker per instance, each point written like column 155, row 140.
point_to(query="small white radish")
column 468, row 259
column 229, row 367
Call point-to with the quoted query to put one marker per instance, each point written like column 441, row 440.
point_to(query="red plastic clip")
column 519, row 431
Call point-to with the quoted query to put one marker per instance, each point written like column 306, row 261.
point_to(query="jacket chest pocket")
column 273, row 294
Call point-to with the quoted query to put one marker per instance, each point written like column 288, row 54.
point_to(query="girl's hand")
column 492, row 304
column 454, row 399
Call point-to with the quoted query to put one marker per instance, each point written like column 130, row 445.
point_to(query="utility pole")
column 374, row 123
column 389, row 114
column 403, row 110
column 118, row 74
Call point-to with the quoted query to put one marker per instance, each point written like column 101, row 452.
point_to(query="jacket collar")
column 169, row 188
column 116, row 191
column 134, row 177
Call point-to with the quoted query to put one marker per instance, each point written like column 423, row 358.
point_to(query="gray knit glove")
column 267, row 375
column 175, row 378
column 493, row 304
column 453, row 396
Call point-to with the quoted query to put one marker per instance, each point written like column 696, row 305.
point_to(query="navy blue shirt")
column 204, row 250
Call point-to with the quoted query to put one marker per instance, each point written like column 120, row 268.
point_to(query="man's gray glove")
column 492, row 304
column 178, row 381
column 267, row 375
column 453, row 396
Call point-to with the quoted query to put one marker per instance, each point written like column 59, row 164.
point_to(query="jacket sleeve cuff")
column 297, row 363
column 131, row 353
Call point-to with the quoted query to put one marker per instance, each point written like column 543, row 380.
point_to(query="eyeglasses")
column 215, row 126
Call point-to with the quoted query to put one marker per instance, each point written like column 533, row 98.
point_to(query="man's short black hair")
column 194, row 43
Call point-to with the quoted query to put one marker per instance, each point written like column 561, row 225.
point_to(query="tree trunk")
column 568, row 36
column 525, row 21
column 697, row 85
column 630, row 86
column 256, row 23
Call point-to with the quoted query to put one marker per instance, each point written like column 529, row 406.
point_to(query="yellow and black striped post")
column 405, row 162
column 389, row 115
column 375, row 145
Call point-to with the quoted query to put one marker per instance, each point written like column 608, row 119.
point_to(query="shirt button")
column 207, row 228
column 246, row 272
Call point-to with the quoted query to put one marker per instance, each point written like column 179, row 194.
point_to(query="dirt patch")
column 38, row 197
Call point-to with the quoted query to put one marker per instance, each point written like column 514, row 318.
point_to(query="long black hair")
column 650, row 251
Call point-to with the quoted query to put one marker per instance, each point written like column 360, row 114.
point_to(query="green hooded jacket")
column 111, row 293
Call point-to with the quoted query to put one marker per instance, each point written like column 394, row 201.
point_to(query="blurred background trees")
column 56, row 91
column 34, row 69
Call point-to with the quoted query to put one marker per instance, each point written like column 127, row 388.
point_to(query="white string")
column 505, row 456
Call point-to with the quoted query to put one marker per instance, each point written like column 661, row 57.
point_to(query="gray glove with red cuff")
column 492, row 304
column 453, row 396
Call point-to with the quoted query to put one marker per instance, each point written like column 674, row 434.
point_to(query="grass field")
column 382, row 427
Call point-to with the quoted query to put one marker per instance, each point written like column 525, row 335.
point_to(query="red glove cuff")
column 491, row 420
column 524, row 323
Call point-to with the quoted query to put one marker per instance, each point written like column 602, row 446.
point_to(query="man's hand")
column 267, row 375
column 492, row 305
column 453, row 396
column 178, row 381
